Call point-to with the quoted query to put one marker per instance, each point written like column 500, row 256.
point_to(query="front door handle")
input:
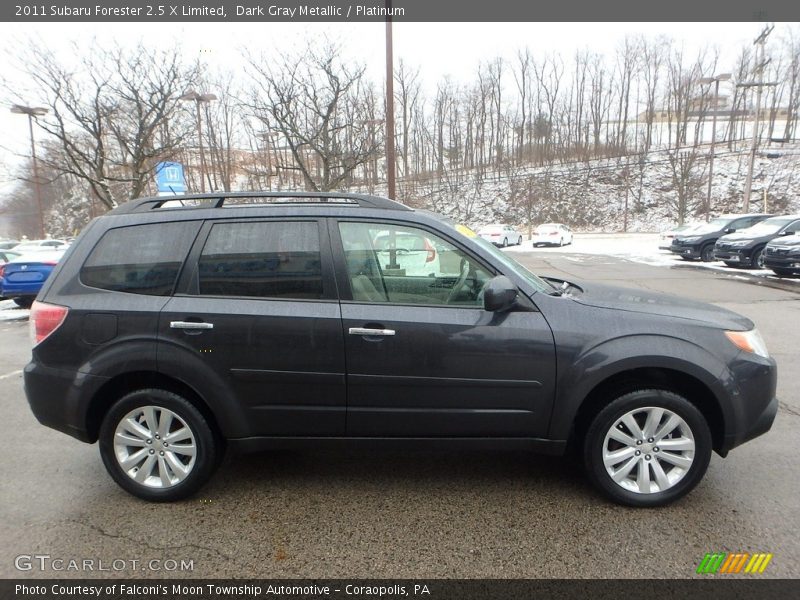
column 190, row 325
column 370, row 332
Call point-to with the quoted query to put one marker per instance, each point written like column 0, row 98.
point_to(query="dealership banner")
column 153, row 11
column 386, row 589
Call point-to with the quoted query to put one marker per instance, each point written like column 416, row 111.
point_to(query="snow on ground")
column 9, row 311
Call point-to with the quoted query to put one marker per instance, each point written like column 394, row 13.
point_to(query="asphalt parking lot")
column 413, row 514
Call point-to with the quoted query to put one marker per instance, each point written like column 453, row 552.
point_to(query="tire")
column 505, row 242
column 677, row 481
column 783, row 272
column 560, row 242
column 24, row 302
column 519, row 241
column 707, row 253
column 162, row 483
column 757, row 262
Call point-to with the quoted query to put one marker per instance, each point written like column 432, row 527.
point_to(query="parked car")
column 21, row 278
column 745, row 248
column 500, row 235
column 782, row 255
column 40, row 245
column 666, row 237
column 699, row 242
column 551, row 234
column 8, row 244
column 7, row 255
column 169, row 334
column 406, row 250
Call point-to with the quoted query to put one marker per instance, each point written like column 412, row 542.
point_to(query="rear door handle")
column 371, row 332
column 190, row 325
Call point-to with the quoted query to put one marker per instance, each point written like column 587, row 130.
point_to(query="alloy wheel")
column 648, row 450
column 155, row 447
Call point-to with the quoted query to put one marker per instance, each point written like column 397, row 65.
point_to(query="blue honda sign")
column 169, row 178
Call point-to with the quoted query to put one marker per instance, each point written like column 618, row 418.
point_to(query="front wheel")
column 157, row 446
column 758, row 259
column 647, row 448
column 707, row 253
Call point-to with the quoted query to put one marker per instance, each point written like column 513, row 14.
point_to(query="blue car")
column 21, row 278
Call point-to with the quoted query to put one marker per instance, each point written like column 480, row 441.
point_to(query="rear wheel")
column 707, row 253
column 647, row 448
column 24, row 302
column 519, row 241
column 560, row 242
column 157, row 446
column 505, row 242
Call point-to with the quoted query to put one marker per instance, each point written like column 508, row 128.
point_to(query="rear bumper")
column 12, row 290
column 60, row 399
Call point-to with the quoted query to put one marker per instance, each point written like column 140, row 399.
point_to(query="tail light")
column 431, row 252
column 45, row 319
column 553, row 233
column 2, row 270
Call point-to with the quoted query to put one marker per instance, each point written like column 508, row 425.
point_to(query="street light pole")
column 31, row 112
column 390, row 154
column 198, row 99
column 759, row 41
column 716, row 79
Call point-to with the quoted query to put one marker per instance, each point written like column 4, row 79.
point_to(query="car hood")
column 789, row 240
column 740, row 236
column 663, row 305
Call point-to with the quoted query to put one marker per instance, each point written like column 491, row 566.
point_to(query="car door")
column 258, row 304
column 424, row 359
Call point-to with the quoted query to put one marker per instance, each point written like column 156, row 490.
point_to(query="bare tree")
column 116, row 115
column 306, row 99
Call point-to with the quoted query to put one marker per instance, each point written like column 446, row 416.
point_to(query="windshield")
column 539, row 284
column 767, row 227
column 713, row 225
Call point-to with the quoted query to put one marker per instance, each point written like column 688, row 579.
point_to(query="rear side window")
column 140, row 259
column 262, row 260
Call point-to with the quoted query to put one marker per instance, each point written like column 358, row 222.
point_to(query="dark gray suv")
column 174, row 328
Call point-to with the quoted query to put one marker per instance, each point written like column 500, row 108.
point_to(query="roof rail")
column 242, row 199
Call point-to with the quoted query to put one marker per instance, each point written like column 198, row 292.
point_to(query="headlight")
column 739, row 244
column 749, row 341
column 690, row 239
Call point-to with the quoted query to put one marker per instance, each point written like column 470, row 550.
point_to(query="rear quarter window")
column 140, row 259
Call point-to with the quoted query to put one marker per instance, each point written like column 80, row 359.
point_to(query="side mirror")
column 729, row 230
column 787, row 233
column 499, row 294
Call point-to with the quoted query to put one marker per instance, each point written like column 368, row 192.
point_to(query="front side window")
column 405, row 265
column 140, row 259
column 262, row 260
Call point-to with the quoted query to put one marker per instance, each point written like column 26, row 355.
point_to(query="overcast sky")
column 439, row 49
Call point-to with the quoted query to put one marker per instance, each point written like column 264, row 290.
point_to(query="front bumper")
column 741, row 256
column 686, row 251
column 784, row 261
column 752, row 404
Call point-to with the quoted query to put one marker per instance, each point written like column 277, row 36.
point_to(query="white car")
column 40, row 245
column 413, row 253
column 500, row 235
column 552, row 234
column 666, row 237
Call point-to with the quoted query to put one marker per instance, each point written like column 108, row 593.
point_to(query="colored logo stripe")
column 721, row 562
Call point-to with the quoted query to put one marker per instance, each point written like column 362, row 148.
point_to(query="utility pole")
column 759, row 72
column 716, row 79
column 390, row 155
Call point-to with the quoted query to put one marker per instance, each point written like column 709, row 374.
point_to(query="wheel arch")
column 675, row 380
